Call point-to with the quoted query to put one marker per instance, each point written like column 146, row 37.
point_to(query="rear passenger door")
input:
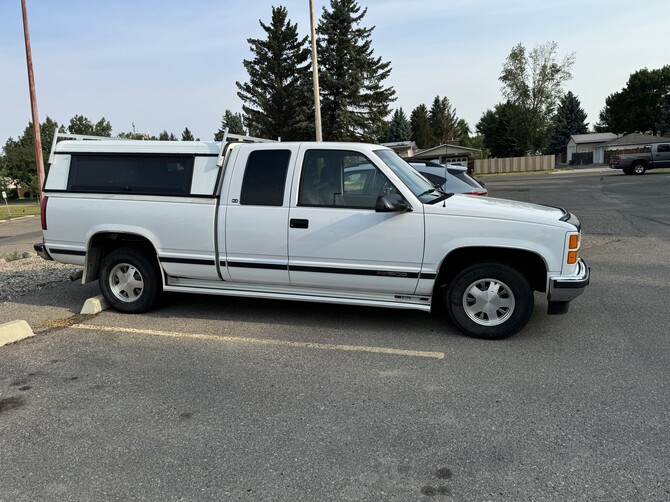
column 253, row 216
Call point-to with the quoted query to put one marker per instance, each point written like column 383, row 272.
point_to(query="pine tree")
column 187, row 135
column 82, row 125
column 422, row 132
column 443, row 121
column 399, row 129
column 354, row 101
column 569, row 119
column 233, row 121
column 278, row 98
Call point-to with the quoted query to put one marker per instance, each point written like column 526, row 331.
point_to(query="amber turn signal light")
column 572, row 257
column 574, row 242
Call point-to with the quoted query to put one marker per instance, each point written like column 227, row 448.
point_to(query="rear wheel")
column 490, row 300
column 639, row 168
column 628, row 170
column 129, row 281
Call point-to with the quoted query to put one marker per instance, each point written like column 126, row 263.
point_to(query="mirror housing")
column 391, row 203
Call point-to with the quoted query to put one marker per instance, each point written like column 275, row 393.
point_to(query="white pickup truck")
column 343, row 223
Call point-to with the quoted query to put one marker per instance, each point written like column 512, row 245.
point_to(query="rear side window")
column 265, row 178
column 663, row 148
column 436, row 180
column 467, row 179
column 131, row 174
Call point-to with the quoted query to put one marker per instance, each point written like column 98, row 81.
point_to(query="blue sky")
column 170, row 64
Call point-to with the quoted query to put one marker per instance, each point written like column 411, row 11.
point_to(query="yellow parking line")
column 265, row 341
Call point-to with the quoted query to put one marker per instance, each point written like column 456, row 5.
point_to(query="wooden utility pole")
column 33, row 103
column 315, row 73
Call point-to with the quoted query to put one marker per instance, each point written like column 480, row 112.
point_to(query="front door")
column 337, row 240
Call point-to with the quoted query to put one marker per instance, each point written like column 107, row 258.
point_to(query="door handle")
column 298, row 223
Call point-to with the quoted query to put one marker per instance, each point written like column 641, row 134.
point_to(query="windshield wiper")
column 429, row 191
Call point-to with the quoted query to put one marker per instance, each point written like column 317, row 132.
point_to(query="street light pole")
column 33, row 103
column 315, row 74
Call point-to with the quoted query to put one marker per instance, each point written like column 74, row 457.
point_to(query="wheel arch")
column 104, row 242
column 531, row 264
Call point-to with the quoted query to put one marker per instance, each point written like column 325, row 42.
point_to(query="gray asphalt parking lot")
column 214, row 398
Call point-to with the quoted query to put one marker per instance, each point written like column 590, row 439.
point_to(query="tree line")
column 536, row 116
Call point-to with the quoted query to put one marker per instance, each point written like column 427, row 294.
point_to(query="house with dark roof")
column 589, row 148
column 447, row 153
column 635, row 140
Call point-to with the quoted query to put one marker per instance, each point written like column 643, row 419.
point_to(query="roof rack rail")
column 238, row 138
column 63, row 135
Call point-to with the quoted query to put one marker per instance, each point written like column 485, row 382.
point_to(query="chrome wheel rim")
column 126, row 282
column 638, row 169
column 488, row 302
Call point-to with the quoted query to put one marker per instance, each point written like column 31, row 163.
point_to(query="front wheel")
column 490, row 300
column 129, row 281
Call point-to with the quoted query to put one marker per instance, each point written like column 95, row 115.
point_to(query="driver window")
column 340, row 178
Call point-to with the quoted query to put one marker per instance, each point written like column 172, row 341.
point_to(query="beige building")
column 585, row 144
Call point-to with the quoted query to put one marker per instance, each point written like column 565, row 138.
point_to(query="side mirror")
column 391, row 203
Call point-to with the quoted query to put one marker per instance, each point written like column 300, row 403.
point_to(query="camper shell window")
column 131, row 174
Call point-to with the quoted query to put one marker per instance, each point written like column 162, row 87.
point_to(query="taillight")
column 43, row 212
column 617, row 160
column 475, row 193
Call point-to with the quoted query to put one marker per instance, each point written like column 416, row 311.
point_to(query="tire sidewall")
column 150, row 278
column 515, row 281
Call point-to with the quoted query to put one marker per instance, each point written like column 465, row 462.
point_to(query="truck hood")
column 498, row 209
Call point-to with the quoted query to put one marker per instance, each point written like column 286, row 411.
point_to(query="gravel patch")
column 32, row 273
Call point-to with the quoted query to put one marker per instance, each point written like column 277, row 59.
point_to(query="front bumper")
column 565, row 288
column 41, row 251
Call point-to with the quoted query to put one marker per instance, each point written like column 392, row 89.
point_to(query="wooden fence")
column 515, row 164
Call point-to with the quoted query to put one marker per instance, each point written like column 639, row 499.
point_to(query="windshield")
column 423, row 189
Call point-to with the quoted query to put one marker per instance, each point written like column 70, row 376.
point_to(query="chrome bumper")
column 565, row 288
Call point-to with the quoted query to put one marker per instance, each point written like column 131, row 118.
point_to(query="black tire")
column 503, row 309
column 129, row 280
column 639, row 168
column 628, row 170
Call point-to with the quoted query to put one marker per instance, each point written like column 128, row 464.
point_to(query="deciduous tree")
column 639, row 107
column 18, row 160
column 533, row 81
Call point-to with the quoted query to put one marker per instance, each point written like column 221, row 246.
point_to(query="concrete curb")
column 14, row 331
column 94, row 305
column 18, row 218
